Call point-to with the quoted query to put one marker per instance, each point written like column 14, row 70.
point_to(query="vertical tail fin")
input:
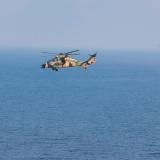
column 90, row 60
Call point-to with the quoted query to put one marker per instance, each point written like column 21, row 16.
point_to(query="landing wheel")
column 54, row 69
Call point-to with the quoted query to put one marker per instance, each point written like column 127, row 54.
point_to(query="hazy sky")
column 80, row 23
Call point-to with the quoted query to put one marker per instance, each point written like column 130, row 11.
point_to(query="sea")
column 111, row 111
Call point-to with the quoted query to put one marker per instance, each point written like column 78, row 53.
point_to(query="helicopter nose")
column 43, row 66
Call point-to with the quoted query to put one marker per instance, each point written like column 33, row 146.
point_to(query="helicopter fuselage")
column 63, row 61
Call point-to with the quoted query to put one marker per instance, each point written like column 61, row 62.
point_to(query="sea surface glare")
column 109, row 112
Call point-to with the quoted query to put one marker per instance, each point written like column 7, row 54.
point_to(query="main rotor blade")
column 67, row 53
column 48, row 53
column 71, row 51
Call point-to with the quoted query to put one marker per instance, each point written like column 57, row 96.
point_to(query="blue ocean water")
column 109, row 112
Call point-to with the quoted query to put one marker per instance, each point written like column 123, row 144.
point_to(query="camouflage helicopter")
column 64, row 60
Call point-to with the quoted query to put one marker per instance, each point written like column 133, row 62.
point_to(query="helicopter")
column 64, row 60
